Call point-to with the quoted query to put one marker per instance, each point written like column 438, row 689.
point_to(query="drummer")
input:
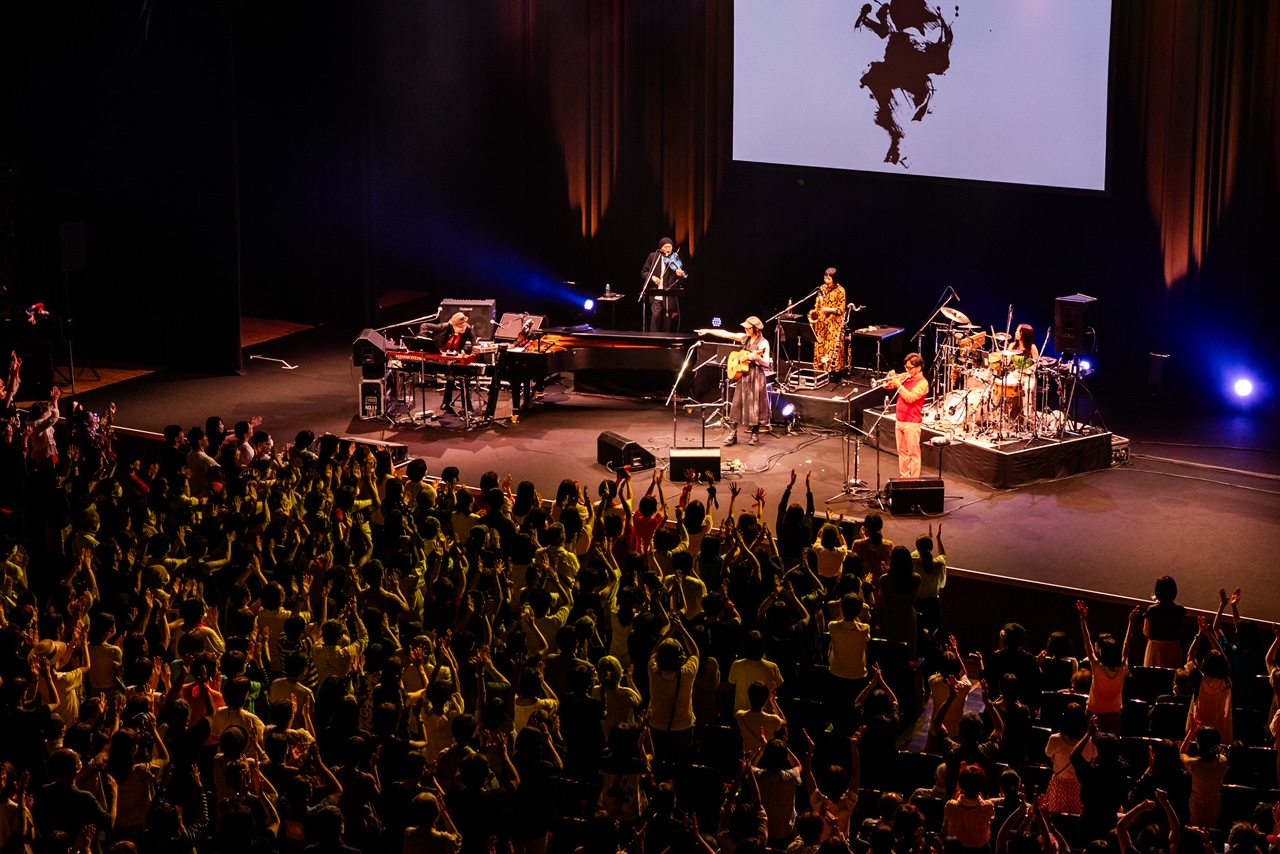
column 1020, row 358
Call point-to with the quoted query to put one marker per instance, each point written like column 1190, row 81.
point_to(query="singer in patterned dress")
column 827, row 320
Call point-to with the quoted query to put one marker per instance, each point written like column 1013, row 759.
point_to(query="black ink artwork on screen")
column 917, row 49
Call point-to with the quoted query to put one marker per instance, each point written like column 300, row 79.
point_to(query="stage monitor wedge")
column 915, row 495
column 614, row 451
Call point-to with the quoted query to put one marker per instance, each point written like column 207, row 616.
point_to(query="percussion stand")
column 852, row 489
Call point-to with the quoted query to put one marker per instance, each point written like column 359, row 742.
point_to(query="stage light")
column 788, row 409
column 1086, row 366
column 716, row 323
column 1243, row 387
column 588, row 305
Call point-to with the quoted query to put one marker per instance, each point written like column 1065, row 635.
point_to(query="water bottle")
column 608, row 290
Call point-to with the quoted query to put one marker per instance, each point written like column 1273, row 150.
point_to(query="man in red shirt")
column 913, row 388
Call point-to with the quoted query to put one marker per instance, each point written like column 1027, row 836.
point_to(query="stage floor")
column 1199, row 499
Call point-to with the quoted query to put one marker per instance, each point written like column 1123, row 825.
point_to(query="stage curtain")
column 635, row 82
column 1204, row 79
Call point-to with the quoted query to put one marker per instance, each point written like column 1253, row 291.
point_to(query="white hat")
column 752, row 321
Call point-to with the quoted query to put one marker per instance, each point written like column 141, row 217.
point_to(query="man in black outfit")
column 457, row 337
column 662, row 272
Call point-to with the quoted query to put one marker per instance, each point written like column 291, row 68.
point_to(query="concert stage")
column 1194, row 473
column 998, row 464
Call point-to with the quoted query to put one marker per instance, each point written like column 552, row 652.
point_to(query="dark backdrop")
column 299, row 160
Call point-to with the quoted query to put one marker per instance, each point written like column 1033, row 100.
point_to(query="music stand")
column 797, row 329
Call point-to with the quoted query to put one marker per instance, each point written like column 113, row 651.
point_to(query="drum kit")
column 985, row 387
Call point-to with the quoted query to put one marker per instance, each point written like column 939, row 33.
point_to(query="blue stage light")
column 788, row 409
column 588, row 305
column 1243, row 387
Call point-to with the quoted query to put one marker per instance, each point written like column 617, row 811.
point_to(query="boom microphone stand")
column 878, row 495
column 777, row 328
column 853, row 489
column 644, row 317
column 673, row 399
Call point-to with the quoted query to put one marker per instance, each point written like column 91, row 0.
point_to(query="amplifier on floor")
column 698, row 459
column 613, row 452
column 915, row 495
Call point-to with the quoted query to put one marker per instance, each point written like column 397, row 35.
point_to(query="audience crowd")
column 245, row 648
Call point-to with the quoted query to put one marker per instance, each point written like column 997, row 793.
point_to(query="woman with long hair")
column 895, row 600
column 872, row 548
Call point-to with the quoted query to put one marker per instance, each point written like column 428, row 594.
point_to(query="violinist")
column 662, row 275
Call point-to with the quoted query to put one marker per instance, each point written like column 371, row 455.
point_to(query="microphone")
column 528, row 325
column 954, row 294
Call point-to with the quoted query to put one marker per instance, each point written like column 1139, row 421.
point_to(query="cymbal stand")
column 853, row 489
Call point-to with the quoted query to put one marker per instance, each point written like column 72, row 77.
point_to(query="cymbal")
column 1002, row 336
column 954, row 314
column 1009, row 352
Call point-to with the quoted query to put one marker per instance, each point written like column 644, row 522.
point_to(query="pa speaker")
column 479, row 314
column 915, row 495
column 697, row 460
column 1074, row 318
column 613, row 452
column 369, row 350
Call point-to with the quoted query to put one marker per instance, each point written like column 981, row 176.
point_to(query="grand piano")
column 604, row 361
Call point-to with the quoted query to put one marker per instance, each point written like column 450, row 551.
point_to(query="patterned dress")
column 750, row 397
column 828, row 352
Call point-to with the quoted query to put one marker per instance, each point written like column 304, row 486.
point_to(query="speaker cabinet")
column 1074, row 320
column 613, row 452
column 915, row 495
column 698, row 459
column 479, row 314
column 370, row 351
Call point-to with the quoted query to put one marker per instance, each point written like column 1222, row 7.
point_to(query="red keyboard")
column 433, row 358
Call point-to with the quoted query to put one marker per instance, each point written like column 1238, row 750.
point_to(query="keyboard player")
column 458, row 337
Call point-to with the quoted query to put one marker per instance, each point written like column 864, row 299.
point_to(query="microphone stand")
column 777, row 329
column 644, row 318
column 853, row 489
column 938, row 364
column 878, row 495
column 673, row 399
